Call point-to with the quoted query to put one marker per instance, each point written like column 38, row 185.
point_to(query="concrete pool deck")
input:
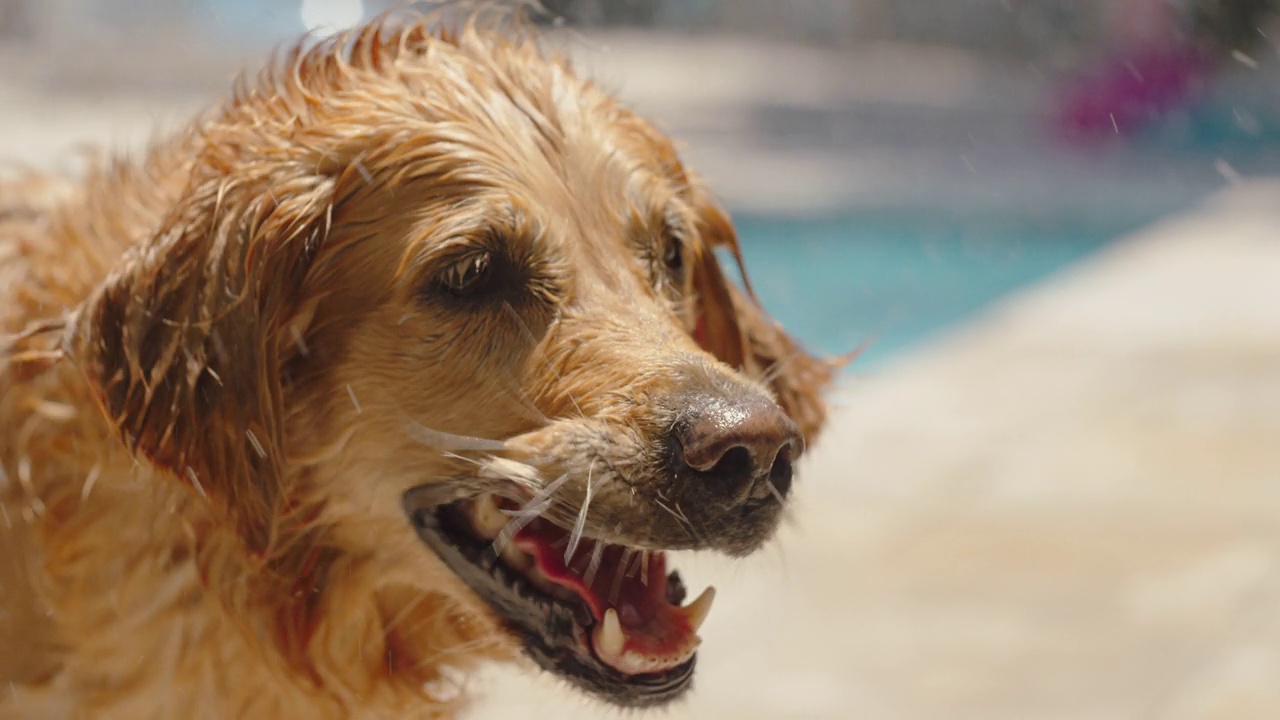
column 1069, row 508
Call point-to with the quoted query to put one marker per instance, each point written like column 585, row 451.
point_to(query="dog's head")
column 430, row 289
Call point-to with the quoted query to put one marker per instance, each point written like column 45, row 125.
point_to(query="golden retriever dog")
column 414, row 354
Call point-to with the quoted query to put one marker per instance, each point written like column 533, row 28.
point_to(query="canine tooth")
column 696, row 611
column 486, row 518
column 515, row 557
column 609, row 638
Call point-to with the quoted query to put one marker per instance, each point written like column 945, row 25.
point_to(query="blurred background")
column 1051, row 486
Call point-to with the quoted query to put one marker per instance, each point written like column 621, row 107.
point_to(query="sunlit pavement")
column 1068, row 509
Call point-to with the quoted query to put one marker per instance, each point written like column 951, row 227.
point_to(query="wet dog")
column 415, row 353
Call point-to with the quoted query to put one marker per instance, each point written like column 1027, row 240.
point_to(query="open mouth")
column 607, row 617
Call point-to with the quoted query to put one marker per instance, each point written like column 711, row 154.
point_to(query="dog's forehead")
column 543, row 127
column 509, row 147
column 593, row 182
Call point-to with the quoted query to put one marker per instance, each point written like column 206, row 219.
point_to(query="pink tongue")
column 652, row 626
column 637, row 600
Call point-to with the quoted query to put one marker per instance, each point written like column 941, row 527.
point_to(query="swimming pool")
column 898, row 279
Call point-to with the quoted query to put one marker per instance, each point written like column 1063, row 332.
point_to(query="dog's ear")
column 184, row 342
column 731, row 325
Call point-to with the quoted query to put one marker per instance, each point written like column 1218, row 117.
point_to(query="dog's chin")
column 607, row 618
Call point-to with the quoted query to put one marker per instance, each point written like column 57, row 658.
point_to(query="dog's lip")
column 553, row 633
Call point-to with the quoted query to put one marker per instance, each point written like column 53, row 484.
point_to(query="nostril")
column 744, row 450
column 735, row 465
column 780, row 473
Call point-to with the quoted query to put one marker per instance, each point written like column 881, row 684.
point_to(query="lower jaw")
column 550, row 631
column 591, row 676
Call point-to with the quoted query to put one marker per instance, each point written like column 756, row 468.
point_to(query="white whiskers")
column 776, row 495
column 640, row 558
column 463, row 458
column 620, row 574
column 498, row 468
column 441, row 440
column 526, row 514
column 597, row 554
column 580, row 524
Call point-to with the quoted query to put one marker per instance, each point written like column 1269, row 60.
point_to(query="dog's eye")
column 468, row 276
column 673, row 256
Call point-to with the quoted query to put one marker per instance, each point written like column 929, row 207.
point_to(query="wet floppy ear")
column 181, row 345
column 732, row 326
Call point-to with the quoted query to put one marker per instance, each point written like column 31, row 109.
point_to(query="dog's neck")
column 177, row 588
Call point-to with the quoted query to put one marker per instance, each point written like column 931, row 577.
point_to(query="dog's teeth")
column 609, row 638
column 696, row 611
column 516, row 558
column 486, row 518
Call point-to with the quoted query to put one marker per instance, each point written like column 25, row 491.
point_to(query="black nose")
column 745, row 447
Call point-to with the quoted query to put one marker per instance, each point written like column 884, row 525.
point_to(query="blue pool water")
column 836, row 283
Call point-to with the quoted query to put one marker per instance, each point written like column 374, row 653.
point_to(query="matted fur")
column 198, row 404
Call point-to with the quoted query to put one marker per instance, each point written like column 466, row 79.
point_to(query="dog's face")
column 467, row 311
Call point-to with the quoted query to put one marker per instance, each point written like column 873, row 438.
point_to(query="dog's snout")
column 748, row 447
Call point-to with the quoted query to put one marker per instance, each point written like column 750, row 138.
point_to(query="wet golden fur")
column 212, row 352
